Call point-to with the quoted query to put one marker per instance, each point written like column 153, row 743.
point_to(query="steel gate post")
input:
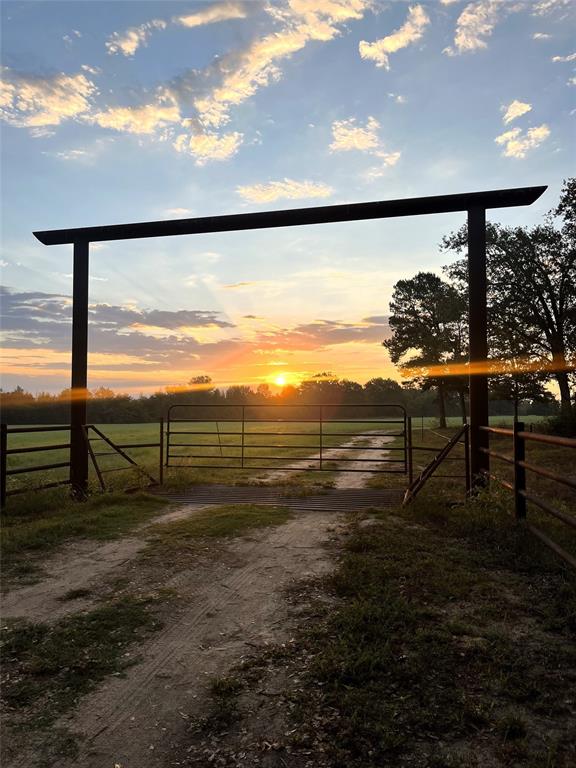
column 409, row 438
column 242, row 449
column 321, row 435
column 479, row 461
column 3, row 460
column 161, row 453
column 79, row 392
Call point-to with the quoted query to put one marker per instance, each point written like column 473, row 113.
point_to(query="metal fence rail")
column 314, row 425
column 461, row 437
column 118, row 449
column 518, row 487
column 5, row 451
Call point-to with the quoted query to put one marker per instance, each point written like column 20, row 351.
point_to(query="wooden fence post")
column 519, row 472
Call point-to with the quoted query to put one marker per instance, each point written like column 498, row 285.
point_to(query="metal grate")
column 341, row 500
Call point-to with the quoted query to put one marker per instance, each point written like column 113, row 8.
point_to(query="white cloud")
column 213, row 14
column 348, row 135
column 515, row 109
column 570, row 57
column 541, row 36
column 91, row 70
column 145, row 119
column 178, row 212
column 129, row 41
column 244, row 73
column 516, row 143
column 286, row 189
column 208, row 146
column 544, row 7
column 475, row 23
column 34, row 102
column 572, row 81
column 411, row 31
column 72, row 154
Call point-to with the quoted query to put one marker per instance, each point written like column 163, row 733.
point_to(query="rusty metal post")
column 3, row 460
column 78, row 448
column 478, row 326
column 161, row 453
column 519, row 472
column 409, row 446
column 467, row 459
column 321, row 437
column 243, row 436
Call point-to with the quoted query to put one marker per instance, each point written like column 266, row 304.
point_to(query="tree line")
column 348, row 398
column 531, row 314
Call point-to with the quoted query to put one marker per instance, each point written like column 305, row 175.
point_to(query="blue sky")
column 129, row 111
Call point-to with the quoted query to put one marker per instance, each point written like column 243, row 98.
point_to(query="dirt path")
column 346, row 450
column 83, row 565
column 228, row 607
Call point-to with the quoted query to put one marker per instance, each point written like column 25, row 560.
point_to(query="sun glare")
column 280, row 381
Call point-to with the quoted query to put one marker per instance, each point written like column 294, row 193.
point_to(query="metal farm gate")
column 316, row 438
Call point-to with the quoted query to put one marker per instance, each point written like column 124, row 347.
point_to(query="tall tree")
column 531, row 289
column 426, row 319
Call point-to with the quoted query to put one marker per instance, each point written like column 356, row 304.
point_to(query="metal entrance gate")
column 317, row 438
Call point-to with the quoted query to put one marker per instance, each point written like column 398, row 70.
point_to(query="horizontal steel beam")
column 385, row 209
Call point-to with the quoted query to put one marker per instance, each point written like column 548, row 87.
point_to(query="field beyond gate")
column 260, row 437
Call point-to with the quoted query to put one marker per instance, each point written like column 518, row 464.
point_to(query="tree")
column 531, row 289
column 427, row 322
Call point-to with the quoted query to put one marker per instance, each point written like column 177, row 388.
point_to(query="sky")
column 125, row 111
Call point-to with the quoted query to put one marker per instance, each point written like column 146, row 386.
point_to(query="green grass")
column 48, row 667
column 33, row 528
column 214, row 523
column 420, row 652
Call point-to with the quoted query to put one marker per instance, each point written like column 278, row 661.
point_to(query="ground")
column 433, row 635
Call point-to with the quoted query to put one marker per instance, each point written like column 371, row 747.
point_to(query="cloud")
column 323, row 333
column 544, row 7
column 146, row 119
column 242, row 73
column 213, row 14
column 208, row 146
column 515, row 109
column 179, row 212
column 541, row 36
column 516, row 143
column 285, row 189
column 129, row 41
column 475, row 23
column 34, row 101
column 348, row 135
column 35, row 319
column 569, row 57
column 411, row 31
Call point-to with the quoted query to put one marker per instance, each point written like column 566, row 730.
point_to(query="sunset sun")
column 280, row 381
